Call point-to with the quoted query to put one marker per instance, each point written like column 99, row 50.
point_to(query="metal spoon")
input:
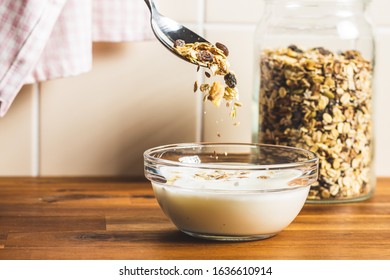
column 168, row 31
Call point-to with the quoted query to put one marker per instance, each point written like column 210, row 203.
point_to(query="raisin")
column 349, row 55
column 296, row 118
column 205, row 56
column 230, row 80
column 323, row 51
column 295, row 48
column 223, row 48
column 319, row 115
column 207, row 74
column 179, row 43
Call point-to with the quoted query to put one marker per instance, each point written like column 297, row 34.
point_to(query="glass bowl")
column 230, row 191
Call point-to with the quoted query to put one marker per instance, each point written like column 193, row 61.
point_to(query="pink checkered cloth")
column 47, row 39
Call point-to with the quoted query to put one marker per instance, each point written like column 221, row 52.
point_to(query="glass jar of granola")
column 314, row 90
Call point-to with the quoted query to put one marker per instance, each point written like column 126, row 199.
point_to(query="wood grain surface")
column 111, row 218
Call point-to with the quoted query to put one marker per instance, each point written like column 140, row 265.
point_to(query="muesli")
column 213, row 57
column 321, row 101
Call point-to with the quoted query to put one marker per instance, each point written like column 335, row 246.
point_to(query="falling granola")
column 321, row 101
column 213, row 57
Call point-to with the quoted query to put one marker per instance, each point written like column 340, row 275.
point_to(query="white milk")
column 198, row 203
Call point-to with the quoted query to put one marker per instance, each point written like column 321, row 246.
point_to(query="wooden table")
column 86, row 218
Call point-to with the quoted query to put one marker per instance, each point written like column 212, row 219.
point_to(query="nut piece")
column 321, row 101
column 216, row 93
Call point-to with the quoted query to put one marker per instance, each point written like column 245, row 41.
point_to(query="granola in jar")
column 321, row 101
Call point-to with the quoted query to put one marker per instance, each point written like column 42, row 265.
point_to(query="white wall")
column 138, row 96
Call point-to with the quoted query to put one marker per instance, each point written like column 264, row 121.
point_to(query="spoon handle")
column 150, row 5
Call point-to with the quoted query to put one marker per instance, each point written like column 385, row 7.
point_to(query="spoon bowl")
column 167, row 31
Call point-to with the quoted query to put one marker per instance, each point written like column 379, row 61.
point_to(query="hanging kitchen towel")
column 68, row 49
column 120, row 21
column 25, row 27
column 42, row 40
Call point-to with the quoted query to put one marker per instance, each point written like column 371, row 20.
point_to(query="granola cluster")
column 321, row 101
column 213, row 57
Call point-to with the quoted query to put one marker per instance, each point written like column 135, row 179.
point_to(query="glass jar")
column 314, row 90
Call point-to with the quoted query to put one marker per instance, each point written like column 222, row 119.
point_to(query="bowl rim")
column 148, row 156
column 152, row 164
